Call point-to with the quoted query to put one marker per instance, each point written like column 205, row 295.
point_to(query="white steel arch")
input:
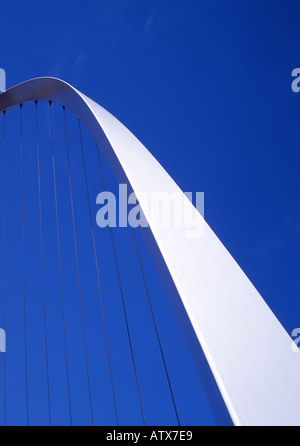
column 240, row 349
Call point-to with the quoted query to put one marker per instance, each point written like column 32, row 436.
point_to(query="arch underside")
column 240, row 349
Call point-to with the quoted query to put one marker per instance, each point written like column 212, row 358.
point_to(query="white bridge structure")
column 241, row 351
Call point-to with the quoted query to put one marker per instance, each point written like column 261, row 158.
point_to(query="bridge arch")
column 240, row 349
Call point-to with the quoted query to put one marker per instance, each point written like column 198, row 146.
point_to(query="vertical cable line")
column 23, row 261
column 59, row 262
column 77, row 266
column 98, row 276
column 42, row 256
column 122, row 295
column 3, row 277
column 155, row 326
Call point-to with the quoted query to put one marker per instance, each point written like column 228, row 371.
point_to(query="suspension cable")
column 154, row 321
column 150, row 305
column 78, row 275
column 77, row 265
column 98, row 276
column 23, row 261
column 155, row 326
column 122, row 294
column 3, row 235
column 42, row 257
column 59, row 262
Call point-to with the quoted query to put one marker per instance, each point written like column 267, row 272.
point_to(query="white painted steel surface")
column 248, row 351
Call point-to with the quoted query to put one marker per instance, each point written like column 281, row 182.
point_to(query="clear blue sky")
column 206, row 86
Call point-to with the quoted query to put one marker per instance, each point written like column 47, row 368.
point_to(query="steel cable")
column 42, row 259
column 77, row 266
column 59, row 262
column 98, row 277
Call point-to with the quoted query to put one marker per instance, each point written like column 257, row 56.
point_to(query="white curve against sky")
column 221, row 313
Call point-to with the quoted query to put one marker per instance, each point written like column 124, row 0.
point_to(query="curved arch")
column 239, row 347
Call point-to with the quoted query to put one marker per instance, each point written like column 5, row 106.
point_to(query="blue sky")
column 206, row 86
